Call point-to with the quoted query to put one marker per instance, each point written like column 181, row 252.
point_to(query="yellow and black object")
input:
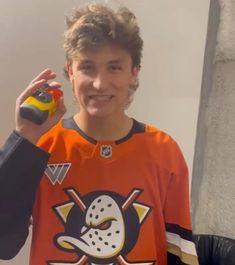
column 41, row 104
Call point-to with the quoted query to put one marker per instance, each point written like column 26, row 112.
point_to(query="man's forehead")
column 103, row 53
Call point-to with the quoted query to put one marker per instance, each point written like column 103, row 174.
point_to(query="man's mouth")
column 100, row 97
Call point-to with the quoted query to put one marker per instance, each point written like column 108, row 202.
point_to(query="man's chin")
column 99, row 113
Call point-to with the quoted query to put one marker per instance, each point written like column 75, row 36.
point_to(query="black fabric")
column 215, row 250
column 174, row 260
column 11, row 244
column 71, row 124
column 21, row 167
column 182, row 232
column 137, row 127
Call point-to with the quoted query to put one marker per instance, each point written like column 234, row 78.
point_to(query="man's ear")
column 135, row 72
column 69, row 70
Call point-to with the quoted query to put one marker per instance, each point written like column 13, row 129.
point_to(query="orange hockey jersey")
column 102, row 202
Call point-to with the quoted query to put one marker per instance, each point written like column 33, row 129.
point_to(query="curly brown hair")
column 96, row 24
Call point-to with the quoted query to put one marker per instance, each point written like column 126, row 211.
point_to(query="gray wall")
column 170, row 79
column 213, row 183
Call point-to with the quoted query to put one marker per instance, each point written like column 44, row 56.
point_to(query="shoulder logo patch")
column 57, row 172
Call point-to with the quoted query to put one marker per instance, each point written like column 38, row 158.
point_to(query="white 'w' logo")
column 57, row 172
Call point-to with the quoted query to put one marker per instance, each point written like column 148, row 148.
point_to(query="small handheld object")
column 41, row 104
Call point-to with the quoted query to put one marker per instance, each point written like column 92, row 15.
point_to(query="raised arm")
column 22, row 164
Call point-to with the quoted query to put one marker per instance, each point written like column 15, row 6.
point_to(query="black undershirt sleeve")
column 21, row 166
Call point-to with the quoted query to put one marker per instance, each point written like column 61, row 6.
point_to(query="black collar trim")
column 137, row 127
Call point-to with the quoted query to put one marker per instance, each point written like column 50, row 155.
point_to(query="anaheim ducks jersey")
column 102, row 202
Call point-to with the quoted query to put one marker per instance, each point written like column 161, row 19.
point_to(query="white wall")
column 170, row 80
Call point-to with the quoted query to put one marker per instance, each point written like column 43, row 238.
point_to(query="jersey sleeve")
column 180, row 245
column 21, row 167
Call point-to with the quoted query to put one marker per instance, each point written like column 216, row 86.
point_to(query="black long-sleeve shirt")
column 21, row 167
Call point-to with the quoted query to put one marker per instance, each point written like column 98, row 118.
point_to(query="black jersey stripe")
column 182, row 232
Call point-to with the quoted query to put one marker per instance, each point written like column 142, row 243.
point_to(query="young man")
column 101, row 187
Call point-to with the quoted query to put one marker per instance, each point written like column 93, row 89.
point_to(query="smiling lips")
column 100, row 97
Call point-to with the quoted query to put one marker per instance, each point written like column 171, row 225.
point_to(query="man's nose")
column 100, row 81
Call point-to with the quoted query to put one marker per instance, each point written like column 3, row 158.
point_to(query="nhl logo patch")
column 106, row 151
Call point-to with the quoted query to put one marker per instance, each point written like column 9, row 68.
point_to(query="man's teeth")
column 101, row 97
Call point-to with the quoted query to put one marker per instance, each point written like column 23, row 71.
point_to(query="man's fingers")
column 30, row 89
column 55, row 84
column 37, row 83
column 60, row 109
column 59, row 112
column 46, row 74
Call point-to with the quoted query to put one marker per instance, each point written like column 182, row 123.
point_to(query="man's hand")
column 28, row 129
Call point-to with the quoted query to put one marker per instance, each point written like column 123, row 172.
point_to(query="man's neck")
column 105, row 128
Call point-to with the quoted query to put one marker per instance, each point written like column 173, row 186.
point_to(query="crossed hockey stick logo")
column 105, row 225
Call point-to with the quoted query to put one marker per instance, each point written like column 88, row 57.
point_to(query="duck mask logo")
column 100, row 227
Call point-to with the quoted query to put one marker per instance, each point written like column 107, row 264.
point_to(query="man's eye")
column 86, row 68
column 115, row 67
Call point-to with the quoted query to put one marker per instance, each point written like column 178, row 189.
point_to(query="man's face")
column 101, row 78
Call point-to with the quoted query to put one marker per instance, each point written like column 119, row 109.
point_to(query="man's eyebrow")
column 84, row 61
column 117, row 61
column 89, row 61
